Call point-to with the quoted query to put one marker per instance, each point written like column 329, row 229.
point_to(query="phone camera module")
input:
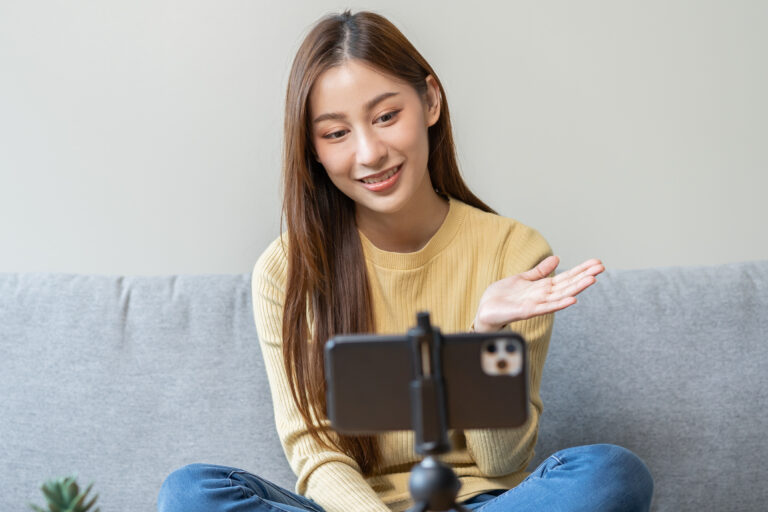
column 502, row 356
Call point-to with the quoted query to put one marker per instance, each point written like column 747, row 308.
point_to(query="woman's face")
column 369, row 131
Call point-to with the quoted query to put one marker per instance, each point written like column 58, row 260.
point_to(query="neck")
column 407, row 230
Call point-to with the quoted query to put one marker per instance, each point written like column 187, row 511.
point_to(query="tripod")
column 433, row 484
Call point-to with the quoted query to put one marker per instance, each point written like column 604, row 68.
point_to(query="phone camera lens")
column 511, row 348
column 491, row 348
column 501, row 364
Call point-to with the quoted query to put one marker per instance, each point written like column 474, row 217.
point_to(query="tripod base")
column 434, row 487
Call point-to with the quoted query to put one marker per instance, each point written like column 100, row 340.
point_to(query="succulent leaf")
column 53, row 496
column 70, row 491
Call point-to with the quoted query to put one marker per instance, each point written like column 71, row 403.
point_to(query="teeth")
column 382, row 178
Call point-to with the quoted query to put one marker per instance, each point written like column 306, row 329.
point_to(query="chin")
column 386, row 204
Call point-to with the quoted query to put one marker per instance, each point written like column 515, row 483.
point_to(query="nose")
column 371, row 150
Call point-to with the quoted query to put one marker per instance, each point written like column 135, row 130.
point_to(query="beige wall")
column 143, row 137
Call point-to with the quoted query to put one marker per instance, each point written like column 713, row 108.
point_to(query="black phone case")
column 368, row 381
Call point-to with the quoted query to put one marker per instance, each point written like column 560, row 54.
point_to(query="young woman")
column 380, row 225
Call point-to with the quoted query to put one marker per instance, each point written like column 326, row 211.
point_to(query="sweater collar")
column 412, row 260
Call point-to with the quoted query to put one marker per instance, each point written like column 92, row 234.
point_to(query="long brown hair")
column 327, row 290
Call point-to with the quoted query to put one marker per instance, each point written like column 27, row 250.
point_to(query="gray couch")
column 123, row 379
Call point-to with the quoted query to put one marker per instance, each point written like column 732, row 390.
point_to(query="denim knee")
column 631, row 480
column 183, row 489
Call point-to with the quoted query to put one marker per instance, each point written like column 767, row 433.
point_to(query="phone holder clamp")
column 433, row 484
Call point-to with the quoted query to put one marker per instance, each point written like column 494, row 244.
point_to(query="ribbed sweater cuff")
column 337, row 487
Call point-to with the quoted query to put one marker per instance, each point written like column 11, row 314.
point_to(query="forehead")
column 349, row 86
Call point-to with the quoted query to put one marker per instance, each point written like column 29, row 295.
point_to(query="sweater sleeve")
column 330, row 478
column 503, row 451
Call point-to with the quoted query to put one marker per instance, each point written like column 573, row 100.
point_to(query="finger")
column 598, row 268
column 589, row 264
column 594, row 270
column 543, row 269
column 578, row 269
column 551, row 307
column 574, row 289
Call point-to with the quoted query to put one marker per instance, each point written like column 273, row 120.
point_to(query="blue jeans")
column 598, row 477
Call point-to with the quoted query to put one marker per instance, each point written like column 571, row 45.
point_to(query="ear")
column 433, row 101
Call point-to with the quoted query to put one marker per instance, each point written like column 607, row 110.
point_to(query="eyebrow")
column 368, row 106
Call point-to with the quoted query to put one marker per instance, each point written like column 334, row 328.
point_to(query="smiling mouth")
column 381, row 177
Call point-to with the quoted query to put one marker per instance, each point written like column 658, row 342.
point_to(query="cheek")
column 413, row 138
column 332, row 160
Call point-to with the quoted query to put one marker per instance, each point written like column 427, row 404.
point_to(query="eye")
column 388, row 116
column 335, row 135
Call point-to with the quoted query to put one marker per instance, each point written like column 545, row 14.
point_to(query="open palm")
column 532, row 293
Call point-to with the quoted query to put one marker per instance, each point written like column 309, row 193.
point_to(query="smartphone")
column 368, row 381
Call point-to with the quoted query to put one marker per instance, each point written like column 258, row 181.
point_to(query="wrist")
column 478, row 326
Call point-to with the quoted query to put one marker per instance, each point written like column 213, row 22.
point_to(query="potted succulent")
column 63, row 495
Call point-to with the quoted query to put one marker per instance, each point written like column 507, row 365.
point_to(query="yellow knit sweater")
column 447, row 277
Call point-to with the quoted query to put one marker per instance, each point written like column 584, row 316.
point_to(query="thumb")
column 543, row 269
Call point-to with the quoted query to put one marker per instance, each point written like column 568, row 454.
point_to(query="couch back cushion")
column 124, row 379
column 671, row 363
